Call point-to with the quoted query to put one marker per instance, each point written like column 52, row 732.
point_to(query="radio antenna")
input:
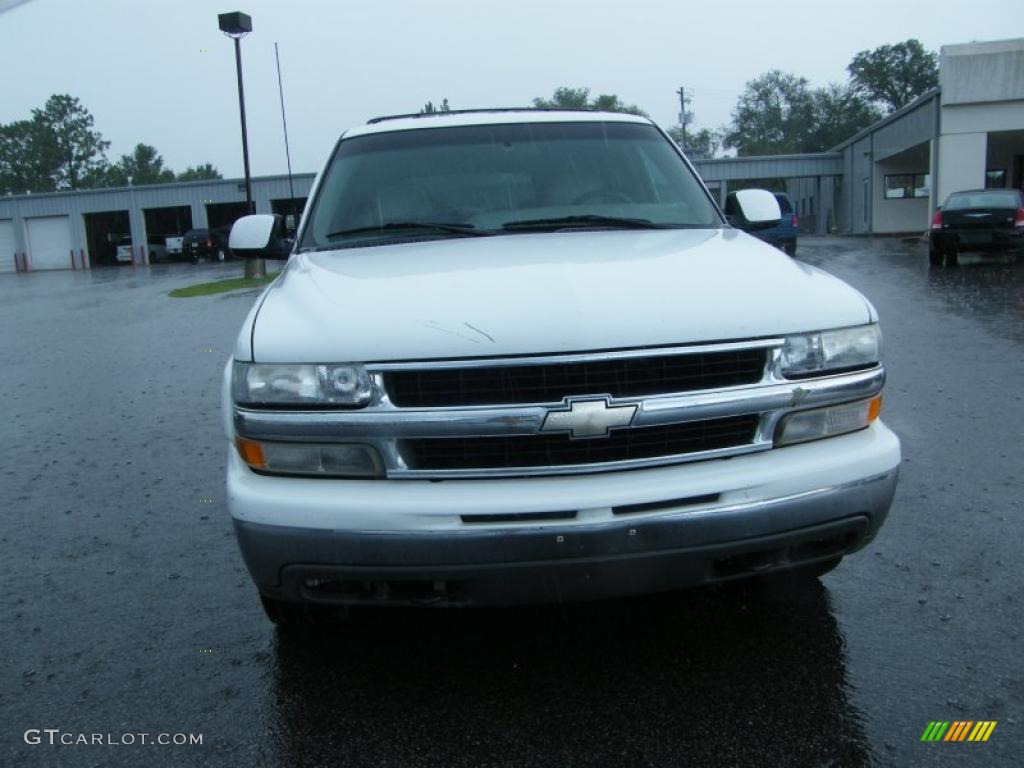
column 284, row 122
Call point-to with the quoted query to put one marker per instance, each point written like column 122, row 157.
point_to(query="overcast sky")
column 141, row 66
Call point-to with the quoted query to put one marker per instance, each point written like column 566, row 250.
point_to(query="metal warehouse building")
column 81, row 229
column 966, row 134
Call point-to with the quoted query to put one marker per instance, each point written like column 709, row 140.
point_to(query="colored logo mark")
column 958, row 730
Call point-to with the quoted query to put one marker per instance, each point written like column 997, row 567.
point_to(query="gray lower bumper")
column 552, row 563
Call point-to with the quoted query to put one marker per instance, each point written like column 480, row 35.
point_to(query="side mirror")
column 751, row 209
column 261, row 236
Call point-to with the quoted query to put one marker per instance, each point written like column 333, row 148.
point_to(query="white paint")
column 961, row 163
column 7, row 246
column 541, row 294
column 420, row 505
column 251, row 233
column 49, row 242
column 977, row 118
column 758, row 206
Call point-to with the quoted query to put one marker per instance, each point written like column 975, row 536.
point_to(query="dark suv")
column 205, row 243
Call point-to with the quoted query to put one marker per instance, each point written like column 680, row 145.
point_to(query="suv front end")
column 523, row 358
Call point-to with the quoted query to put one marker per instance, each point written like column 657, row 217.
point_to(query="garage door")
column 7, row 246
column 49, row 243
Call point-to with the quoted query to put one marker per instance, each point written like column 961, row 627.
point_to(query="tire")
column 952, row 257
column 221, row 256
column 790, row 248
column 934, row 256
column 302, row 616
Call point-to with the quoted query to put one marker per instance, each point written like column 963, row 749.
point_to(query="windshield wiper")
column 587, row 220
column 434, row 226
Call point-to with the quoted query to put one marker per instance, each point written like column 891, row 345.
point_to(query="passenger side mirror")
column 751, row 209
column 261, row 236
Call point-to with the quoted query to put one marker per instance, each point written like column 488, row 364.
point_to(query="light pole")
column 237, row 25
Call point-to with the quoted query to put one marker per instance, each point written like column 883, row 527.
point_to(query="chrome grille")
column 554, row 381
column 561, row 450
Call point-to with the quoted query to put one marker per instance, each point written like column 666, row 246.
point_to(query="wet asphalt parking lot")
column 126, row 608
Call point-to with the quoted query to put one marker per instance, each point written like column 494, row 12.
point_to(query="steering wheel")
column 603, row 196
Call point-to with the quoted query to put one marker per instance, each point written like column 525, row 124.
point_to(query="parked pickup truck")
column 521, row 356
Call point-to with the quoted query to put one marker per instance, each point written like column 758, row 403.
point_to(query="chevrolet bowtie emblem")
column 589, row 418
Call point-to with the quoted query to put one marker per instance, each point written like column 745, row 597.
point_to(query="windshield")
column 524, row 177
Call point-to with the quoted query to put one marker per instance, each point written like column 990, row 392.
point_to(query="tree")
column 579, row 98
column 199, row 173
column 894, row 75
column 839, row 112
column 702, row 143
column 430, row 109
column 698, row 143
column 19, row 172
column 773, row 116
column 143, row 166
column 63, row 144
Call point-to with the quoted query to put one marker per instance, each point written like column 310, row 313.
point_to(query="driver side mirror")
column 261, row 236
column 752, row 209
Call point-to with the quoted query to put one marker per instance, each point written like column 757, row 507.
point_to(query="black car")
column 977, row 220
column 205, row 243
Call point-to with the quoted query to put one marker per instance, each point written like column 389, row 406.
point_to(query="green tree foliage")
column 774, row 115
column 579, row 98
column 839, row 112
column 19, row 173
column 779, row 114
column 430, row 109
column 58, row 148
column 202, row 172
column 64, row 145
column 894, row 75
column 143, row 166
column 700, row 143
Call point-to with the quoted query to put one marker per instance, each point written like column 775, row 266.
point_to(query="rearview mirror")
column 751, row 209
column 261, row 236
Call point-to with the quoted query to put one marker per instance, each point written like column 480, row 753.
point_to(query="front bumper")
column 406, row 542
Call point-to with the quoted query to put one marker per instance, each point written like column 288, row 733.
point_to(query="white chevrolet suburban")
column 522, row 356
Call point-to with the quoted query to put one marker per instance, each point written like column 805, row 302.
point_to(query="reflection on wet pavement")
column 665, row 680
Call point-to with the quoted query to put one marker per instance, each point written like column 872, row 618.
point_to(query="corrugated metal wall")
column 196, row 195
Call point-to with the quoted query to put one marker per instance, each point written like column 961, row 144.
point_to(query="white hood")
column 541, row 293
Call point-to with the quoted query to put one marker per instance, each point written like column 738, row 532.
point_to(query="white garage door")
column 49, row 243
column 7, row 246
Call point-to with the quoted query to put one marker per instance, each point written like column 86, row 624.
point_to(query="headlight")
column 288, row 384
column 352, row 460
column 845, row 348
column 834, row 420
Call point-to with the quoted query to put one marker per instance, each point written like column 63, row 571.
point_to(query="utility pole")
column 682, row 112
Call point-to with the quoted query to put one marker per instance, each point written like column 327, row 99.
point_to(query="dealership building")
column 968, row 133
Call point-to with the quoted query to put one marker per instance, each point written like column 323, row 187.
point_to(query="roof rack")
column 381, row 119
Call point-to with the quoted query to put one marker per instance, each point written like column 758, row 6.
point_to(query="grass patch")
column 222, row 286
